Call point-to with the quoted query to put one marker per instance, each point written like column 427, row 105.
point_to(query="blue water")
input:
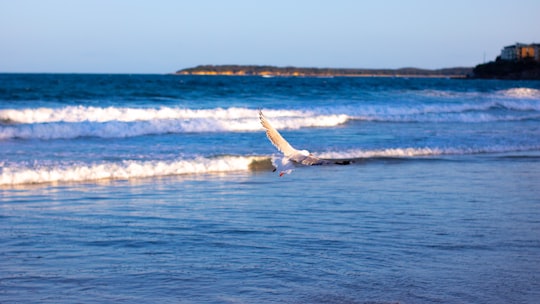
column 145, row 188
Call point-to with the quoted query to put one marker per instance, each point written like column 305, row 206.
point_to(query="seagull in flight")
column 292, row 155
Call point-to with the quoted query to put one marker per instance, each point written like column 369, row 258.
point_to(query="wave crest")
column 419, row 152
column 75, row 114
column 521, row 93
column 487, row 111
column 391, row 152
column 17, row 174
column 74, row 122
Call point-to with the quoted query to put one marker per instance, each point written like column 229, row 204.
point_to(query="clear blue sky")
column 162, row 36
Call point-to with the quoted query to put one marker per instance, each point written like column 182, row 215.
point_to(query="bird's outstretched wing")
column 275, row 138
column 302, row 157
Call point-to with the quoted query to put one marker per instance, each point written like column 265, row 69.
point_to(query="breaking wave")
column 419, row 152
column 96, row 114
column 520, row 93
column 74, row 122
column 80, row 114
column 112, row 122
column 20, row 174
column 470, row 112
column 391, row 152
column 512, row 93
column 513, row 104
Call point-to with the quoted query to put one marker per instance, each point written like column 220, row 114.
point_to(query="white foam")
column 73, row 122
column 16, row 175
column 486, row 111
column 97, row 114
column 514, row 93
column 521, row 93
column 419, row 152
column 111, row 122
column 392, row 152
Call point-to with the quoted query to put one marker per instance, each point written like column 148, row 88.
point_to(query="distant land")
column 510, row 70
column 273, row 71
column 519, row 61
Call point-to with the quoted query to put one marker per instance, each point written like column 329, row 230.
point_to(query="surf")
column 19, row 174
column 415, row 152
column 112, row 122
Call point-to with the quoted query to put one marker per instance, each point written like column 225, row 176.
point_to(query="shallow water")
column 431, row 212
column 390, row 231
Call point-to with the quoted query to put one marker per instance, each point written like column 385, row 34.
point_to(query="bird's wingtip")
column 262, row 119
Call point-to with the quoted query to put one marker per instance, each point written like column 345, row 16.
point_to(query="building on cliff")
column 521, row 51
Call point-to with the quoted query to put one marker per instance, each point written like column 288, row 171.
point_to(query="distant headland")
column 273, row 71
column 516, row 62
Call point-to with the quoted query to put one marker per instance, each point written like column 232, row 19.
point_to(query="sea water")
column 160, row 188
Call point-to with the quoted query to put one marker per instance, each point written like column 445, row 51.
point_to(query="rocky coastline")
column 509, row 70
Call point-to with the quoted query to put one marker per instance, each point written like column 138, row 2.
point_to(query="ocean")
column 161, row 189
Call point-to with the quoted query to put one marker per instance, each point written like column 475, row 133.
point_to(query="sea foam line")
column 480, row 111
column 521, row 93
column 16, row 175
column 122, row 114
column 513, row 93
column 446, row 108
column 420, row 152
column 391, row 152
column 120, row 129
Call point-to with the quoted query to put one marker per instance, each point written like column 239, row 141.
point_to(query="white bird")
column 291, row 154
